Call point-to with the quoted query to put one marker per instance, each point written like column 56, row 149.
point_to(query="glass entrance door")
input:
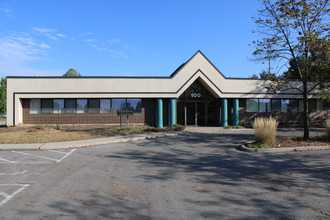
column 196, row 106
column 190, row 113
column 195, row 113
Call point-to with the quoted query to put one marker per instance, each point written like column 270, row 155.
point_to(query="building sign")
column 196, row 95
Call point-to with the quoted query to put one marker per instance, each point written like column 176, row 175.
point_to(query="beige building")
column 197, row 93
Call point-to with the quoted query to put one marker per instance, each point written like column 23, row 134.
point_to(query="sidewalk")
column 88, row 142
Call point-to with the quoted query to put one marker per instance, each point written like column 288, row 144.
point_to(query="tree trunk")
column 306, row 113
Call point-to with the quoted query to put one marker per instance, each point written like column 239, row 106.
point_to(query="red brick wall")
column 147, row 116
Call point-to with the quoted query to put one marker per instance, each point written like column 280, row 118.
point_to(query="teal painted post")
column 224, row 112
column 235, row 112
column 159, row 113
column 172, row 112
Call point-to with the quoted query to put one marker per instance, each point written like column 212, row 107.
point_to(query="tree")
column 72, row 73
column 3, row 95
column 264, row 75
column 296, row 31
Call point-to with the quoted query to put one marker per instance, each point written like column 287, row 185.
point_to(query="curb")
column 88, row 142
column 282, row 149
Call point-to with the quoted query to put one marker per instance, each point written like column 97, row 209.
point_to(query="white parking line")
column 56, row 151
column 46, row 158
column 14, row 174
column 9, row 161
column 66, row 155
column 2, row 160
column 7, row 196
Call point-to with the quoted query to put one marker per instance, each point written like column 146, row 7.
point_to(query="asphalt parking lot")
column 191, row 176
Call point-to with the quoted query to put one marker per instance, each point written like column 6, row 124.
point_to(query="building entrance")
column 196, row 106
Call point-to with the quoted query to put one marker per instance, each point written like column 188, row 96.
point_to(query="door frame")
column 195, row 111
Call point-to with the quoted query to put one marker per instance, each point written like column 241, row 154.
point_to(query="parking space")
column 15, row 169
column 191, row 176
column 9, row 191
column 50, row 156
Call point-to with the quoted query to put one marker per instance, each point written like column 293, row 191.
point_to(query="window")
column 105, row 106
column 252, row 105
column 319, row 105
column 81, row 106
column 119, row 104
column 301, row 105
column 58, row 106
column 93, row 106
column 264, row 105
column 276, row 105
column 70, row 105
column 134, row 105
column 326, row 106
column 46, row 106
column 35, row 106
column 312, row 105
column 294, row 105
column 285, row 105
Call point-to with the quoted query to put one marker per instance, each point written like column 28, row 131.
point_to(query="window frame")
column 89, row 109
column 38, row 109
column 108, row 110
column 61, row 108
column 42, row 106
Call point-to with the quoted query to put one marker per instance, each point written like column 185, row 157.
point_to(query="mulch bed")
column 299, row 142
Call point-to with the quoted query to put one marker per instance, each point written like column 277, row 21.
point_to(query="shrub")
column 265, row 130
column 328, row 128
column 153, row 129
column 233, row 127
column 126, row 129
column 178, row 127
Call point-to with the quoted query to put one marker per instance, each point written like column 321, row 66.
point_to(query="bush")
column 328, row 128
column 265, row 130
column 126, row 129
column 178, row 127
column 153, row 129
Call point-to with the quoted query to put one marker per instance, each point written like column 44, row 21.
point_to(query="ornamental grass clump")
column 265, row 130
column 328, row 129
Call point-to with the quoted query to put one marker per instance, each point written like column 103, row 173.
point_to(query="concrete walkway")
column 86, row 143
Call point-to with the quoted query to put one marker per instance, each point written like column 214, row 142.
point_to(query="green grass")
column 126, row 129
column 255, row 145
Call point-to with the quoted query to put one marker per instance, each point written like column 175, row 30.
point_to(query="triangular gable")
column 198, row 67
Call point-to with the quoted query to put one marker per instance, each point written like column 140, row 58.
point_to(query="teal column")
column 235, row 112
column 224, row 113
column 159, row 113
column 172, row 112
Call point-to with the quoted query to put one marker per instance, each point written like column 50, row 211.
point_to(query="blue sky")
column 125, row 37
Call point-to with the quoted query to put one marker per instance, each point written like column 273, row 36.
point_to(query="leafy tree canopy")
column 296, row 31
column 72, row 73
column 264, row 75
column 3, row 94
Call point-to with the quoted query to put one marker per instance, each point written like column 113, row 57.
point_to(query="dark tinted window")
column 93, row 105
column 46, row 106
column 70, row 105
column 134, row 105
